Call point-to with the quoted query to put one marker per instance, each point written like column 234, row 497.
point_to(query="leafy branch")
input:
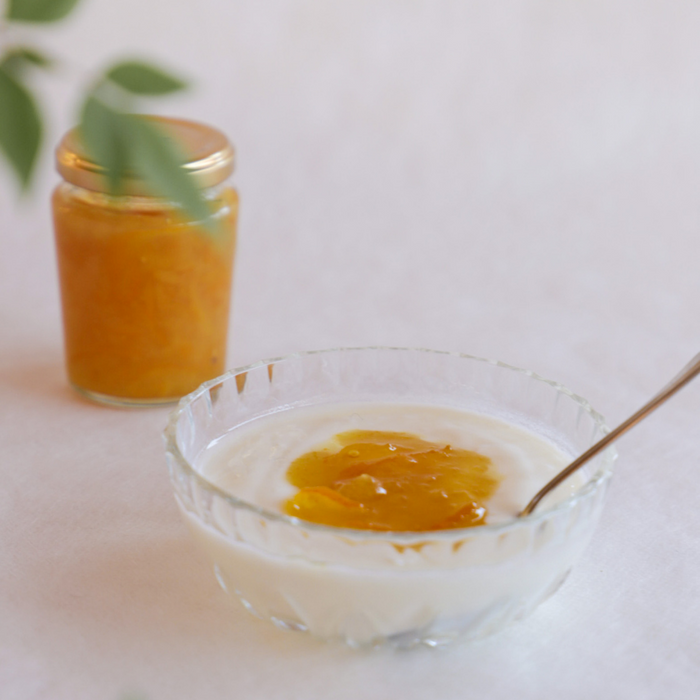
column 20, row 121
column 115, row 137
column 40, row 11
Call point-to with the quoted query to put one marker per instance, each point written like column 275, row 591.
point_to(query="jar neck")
column 133, row 202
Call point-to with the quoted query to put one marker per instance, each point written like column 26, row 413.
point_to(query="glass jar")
column 145, row 291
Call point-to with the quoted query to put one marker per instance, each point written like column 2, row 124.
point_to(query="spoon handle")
column 688, row 373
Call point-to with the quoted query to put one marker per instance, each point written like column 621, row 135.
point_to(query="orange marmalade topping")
column 375, row 480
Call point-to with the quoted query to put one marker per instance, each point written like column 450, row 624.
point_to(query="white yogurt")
column 251, row 462
column 370, row 587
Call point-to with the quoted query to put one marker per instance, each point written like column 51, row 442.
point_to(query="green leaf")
column 142, row 79
column 102, row 130
column 17, row 58
column 20, row 127
column 158, row 160
column 39, row 10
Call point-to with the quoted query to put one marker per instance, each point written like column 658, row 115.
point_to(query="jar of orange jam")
column 145, row 291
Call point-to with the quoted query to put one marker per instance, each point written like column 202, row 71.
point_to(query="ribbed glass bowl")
column 369, row 588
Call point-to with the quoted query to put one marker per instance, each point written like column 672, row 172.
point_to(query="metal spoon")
column 688, row 373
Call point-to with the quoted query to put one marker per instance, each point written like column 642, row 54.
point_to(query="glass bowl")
column 369, row 588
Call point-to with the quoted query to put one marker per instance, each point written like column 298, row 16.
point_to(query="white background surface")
column 516, row 180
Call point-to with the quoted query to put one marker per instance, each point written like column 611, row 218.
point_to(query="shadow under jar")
column 145, row 291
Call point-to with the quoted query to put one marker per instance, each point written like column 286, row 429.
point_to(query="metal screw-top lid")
column 210, row 158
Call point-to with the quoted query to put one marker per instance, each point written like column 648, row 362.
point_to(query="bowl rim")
column 597, row 480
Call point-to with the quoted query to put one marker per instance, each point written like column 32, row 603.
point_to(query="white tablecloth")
column 516, row 180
